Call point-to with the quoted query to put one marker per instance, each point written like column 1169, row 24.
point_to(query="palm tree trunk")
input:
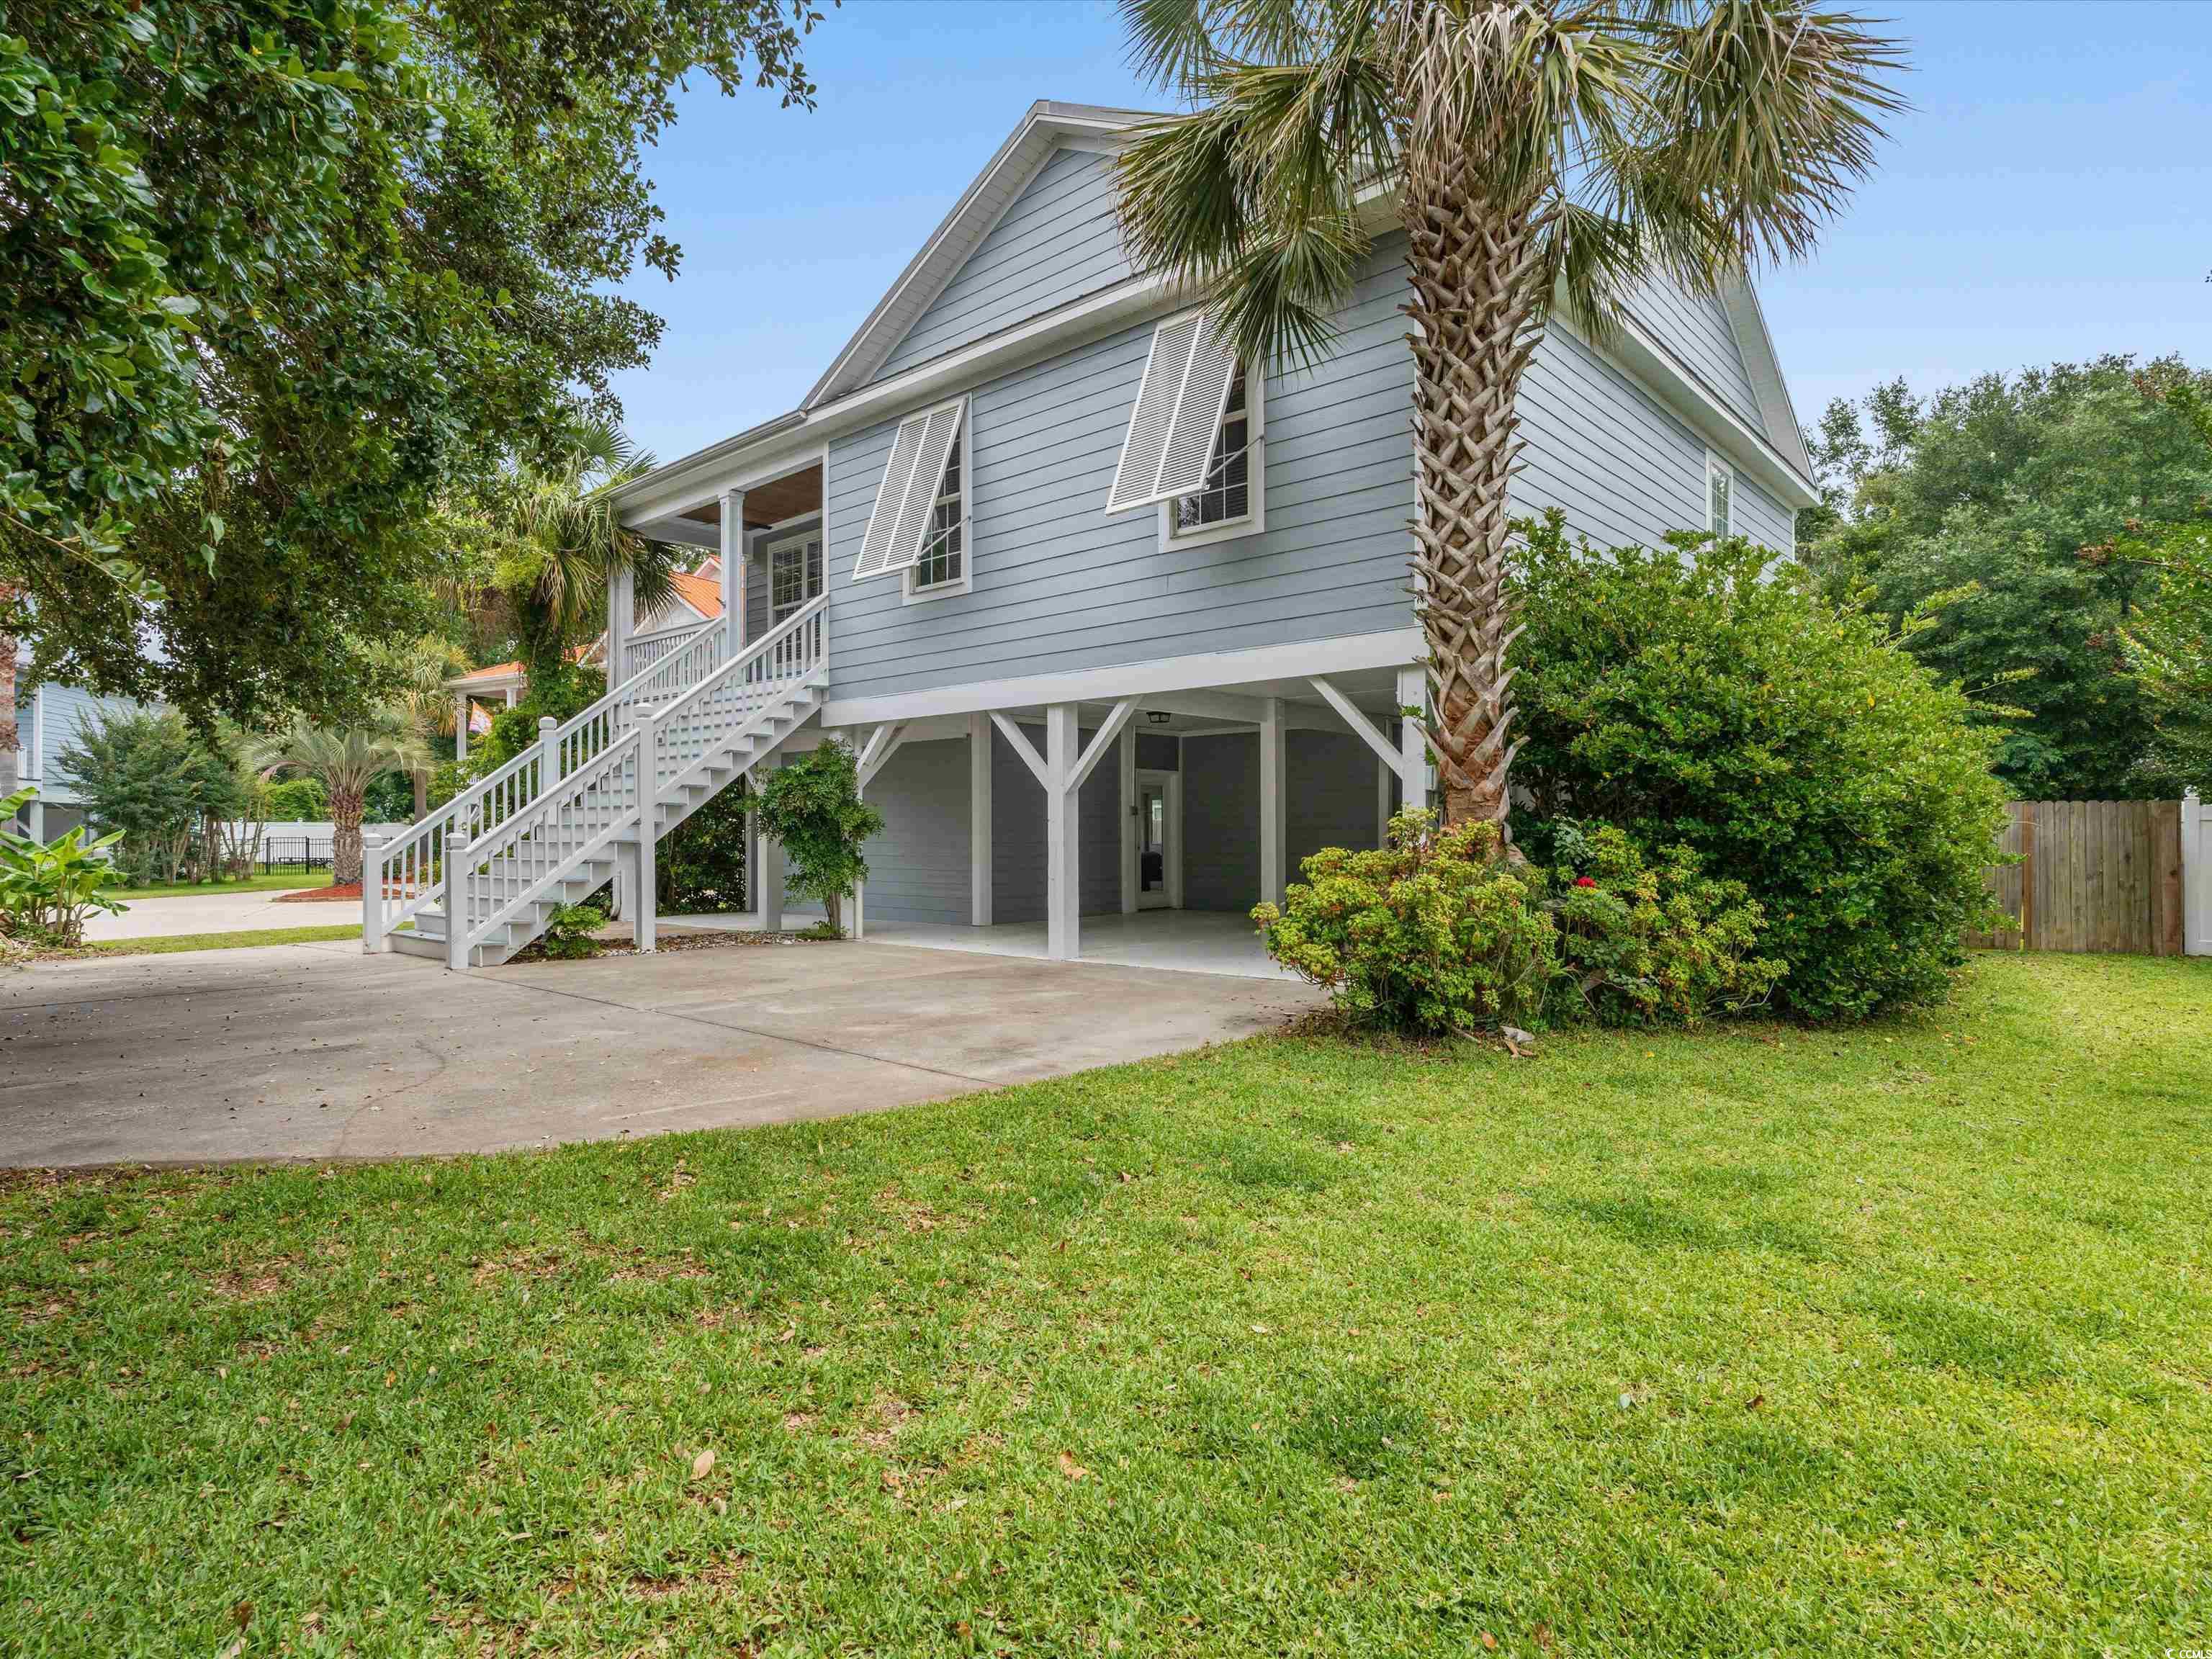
column 9, row 738
column 1473, row 265
column 422, row 781
column 345, row 837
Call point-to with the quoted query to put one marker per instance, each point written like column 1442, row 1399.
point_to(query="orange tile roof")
column 498, row 671
column 702, row 593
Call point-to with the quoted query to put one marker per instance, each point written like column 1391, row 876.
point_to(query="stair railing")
column 620, row 769
column 407, row 873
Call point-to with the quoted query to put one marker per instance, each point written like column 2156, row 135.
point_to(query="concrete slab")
column 318, row 1051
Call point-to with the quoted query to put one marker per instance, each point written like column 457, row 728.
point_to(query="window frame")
column 799, row 538
column 911, row 591
column 1715, row 466
column 1254, row 520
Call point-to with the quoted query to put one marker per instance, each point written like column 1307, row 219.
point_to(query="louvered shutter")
column 1177, row 419
column 908, row 491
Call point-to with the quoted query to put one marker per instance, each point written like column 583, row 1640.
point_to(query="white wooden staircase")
column 478, row 879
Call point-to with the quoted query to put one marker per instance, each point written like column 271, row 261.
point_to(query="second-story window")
column 1226, row 497
column 943, row 544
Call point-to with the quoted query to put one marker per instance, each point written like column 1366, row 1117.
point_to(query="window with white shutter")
column 906, row 500
column 1177, row 422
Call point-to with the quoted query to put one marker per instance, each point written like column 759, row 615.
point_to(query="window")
column 1232, row 501
column 1175, row 429
column 794, row 573
column 911, row 501
column 1720, row 497
column 941, row 568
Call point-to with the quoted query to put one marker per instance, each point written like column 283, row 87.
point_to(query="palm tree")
column 1543, row 153
column 555, row 540
column 346, row 763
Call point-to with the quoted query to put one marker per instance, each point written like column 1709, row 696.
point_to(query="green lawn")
column 1759, row 1341
column 280, row 881
column 164, row 944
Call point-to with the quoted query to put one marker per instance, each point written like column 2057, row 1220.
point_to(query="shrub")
column 1789, row 741
column 1432, row 934
column 812, row 805
column 163, row 787
column 568, row 933
column 48, row 888
column 1662, row 943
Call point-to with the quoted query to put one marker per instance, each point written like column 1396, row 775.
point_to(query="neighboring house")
column 698, row 599
column 1113, row 622
column 47, row 718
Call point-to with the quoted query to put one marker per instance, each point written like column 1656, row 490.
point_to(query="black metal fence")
column 294, row 852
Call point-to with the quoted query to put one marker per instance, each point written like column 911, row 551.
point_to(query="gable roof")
column 1046, row 127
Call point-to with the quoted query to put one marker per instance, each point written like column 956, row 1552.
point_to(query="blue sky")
column 2046, row 199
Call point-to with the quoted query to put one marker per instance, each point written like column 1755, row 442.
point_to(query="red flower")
column 1585, row 881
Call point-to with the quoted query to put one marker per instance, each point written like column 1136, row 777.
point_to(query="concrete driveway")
column 307, row 1051
column 218, row 912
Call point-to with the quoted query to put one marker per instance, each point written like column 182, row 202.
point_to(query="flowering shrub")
column 1432, row 934
column 1641, row 943
column 1437, row 932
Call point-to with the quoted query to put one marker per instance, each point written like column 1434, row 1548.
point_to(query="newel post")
column 372, row 892
column 548, row 753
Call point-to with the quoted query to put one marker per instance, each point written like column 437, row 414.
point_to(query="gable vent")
column 1178, row 415
column 909, row 490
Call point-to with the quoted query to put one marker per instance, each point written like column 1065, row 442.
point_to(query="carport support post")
column 1273, row 843
column 767, row 892
column 1062, row 830
column 1130, row 879
column 1413, row 743
column 979, row 820
column 460, row 725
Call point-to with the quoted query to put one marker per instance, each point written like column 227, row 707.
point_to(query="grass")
column 1891, row 1341
column 278, row 881
column 164, row 943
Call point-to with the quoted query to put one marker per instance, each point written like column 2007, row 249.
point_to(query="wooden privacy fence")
column 2095, row 875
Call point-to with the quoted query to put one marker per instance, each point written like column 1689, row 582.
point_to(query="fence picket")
column 2090, row 876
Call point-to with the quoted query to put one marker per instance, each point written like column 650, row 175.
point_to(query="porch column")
column 1384, row 775
column 734, row 570
column 621, row 619
column 510, row 696
column 460, row 725
column 1413, row 743
column 1273, row 842
column 1063, row 903
column 979, row 820
column 1130, row 879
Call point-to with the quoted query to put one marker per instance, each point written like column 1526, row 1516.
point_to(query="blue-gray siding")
column 1057, row 241
column 918, row 866
column 1328, row 795
column 1696, row 329
column 47, row 720
column 1059, row 585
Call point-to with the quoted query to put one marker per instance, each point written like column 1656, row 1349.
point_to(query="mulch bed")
column 350, row 890
column 614, row 941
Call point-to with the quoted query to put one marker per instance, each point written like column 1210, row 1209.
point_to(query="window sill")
column 909, row 594
column 1252, row 524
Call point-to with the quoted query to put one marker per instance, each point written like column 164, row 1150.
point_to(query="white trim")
column 1413, row 738
column 1101, row 738
column 1362, row 727
column 1126, row 765
column 1021, row 746
column 1255, row 522
column 1171, row 897
column 882, row 743
column 1274, row 838
column 1197, row 673
column 1715, row 464
column 979, row 820
column 963, row 435
column 782, row 543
